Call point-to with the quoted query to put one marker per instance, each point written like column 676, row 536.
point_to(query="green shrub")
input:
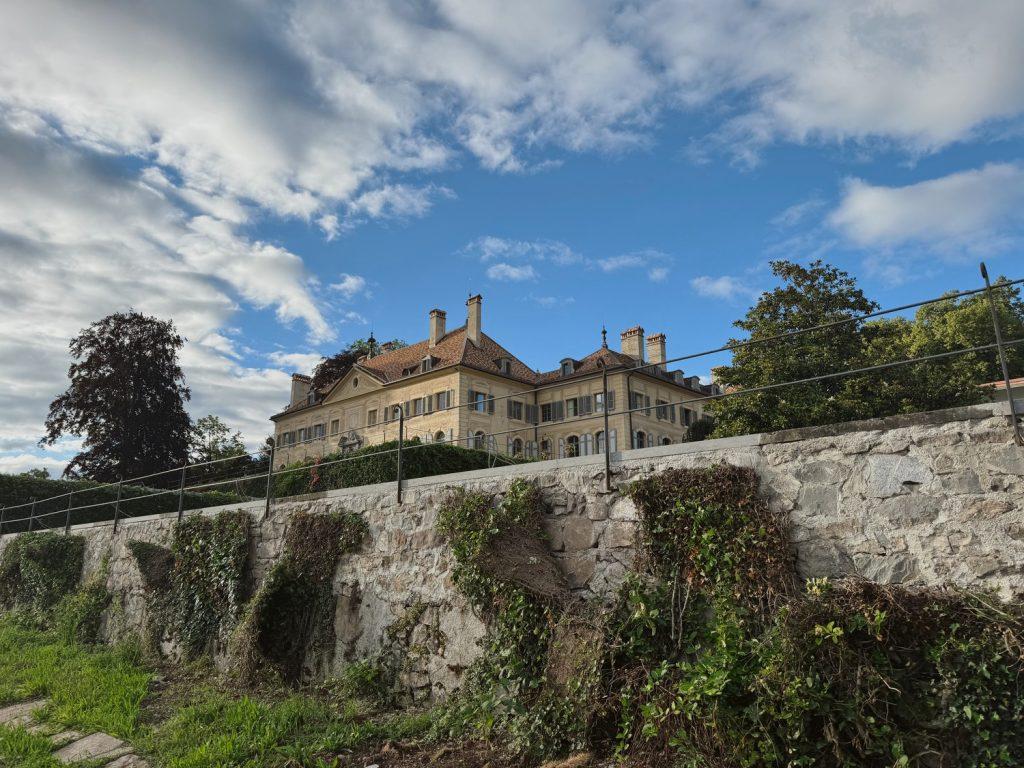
column 379, row 464
column 77, row 618
column 38, row 569
column 21, row 489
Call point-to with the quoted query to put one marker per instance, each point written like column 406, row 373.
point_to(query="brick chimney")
column 437, row 318
column 474, row 305
column 656, row 349
column 300, row 388
column 633, row 342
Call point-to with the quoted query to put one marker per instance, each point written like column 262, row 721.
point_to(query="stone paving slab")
column 20, row 714
column 64, row 738
column 91, row 747
column 128, row 761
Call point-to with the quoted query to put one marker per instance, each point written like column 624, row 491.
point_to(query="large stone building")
column 462, row 387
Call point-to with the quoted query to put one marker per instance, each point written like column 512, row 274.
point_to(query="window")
column 661, row 410
column 479, row 441
column 335, row 426
column 545, row 449
column 666, row 441
column 687, row 417
column 505, row 365
column 371, row 417
column 572, row 407
column 586, row 445
column 302, row 434
column 640, row 440
column 531, row 414
column 396, row 412
column 599, row 441
column 427, row 364
column 515, row 410
column 319, row 430
column 355, row 382
column 547, row 412
column 517, row 447
column 572, row 446
column 417, row 406
column 599, row 402
column 440, row 437
column 443, row 399
column 478, row 401
column 567, row 368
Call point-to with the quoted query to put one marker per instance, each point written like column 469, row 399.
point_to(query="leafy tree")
column 126, row 398
column 330, row 369
column 37, row 474
column 818, row 294
column 212, row 439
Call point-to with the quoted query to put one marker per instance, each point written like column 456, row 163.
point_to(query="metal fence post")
column 32, row 515
column 181, row 491
column 117, row 504
column 270, row 477
column 67, row 515
column 607, row 434
column 1018, row 436
column 3, row 511
column 401, row 439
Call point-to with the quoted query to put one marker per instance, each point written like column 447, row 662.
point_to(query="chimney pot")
column 300, row 388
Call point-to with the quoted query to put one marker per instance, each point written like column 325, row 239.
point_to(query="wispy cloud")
column 654, row 261
column 349, row 286
column 489, row 248
column 511, row 272
column 726, row 287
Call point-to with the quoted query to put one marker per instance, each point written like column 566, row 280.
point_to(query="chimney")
column 473, row 318
column 633, row 343
column 656, row 349
column 300, row 388
column 437, row 317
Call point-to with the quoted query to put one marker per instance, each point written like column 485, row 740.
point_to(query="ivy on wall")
column 197, row 588
column 291, row 615
column 38, row 569
column 711, row 654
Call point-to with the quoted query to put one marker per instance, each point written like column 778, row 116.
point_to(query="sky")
column 280, row 178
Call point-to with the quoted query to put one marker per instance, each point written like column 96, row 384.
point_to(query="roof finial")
column 604, row 337
column 371, row 343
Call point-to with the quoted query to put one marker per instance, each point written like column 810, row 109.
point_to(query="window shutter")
column 647, row 405
column 472, row 399
column 585, row 405
column 430, row 403
column 672, row 414
column 561, row 448
column 408, row 408
column 559, row 409
column 610, row 405
column 490, row 404
column 612, row 442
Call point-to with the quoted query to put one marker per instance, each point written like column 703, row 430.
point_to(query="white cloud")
column 297, row 362
column 920, row 74
column 658, row 274
column 350, row 286
column 652, row 260
column 550, row 302
column 969, row 212
column 13, row 464
column 724, row 287
column 490, row 248
column 624, row 261
column 511, row 272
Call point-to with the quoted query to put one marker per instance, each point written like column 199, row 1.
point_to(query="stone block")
column 623, row 508
column 818, row 499
column 893, row 474
column 619, row 533
column 579, row 569
column 579, row 533
column 553, row 529
column 91, row 747
column 909, row 509
column 888, row 569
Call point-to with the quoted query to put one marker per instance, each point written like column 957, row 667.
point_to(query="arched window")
column 479, row 441
column 517, row 447
column 599, row 441
column 641, row 440
column 545, row 449
column 572, row 446
column 440, row 436
column 666, row 441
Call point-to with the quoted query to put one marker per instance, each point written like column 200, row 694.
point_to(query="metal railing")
column 218, row 473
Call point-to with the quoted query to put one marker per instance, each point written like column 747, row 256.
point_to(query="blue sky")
column 278, row 179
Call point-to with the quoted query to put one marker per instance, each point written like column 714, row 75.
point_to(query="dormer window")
column 568, row 367
column 505, row 365
column 427, row 364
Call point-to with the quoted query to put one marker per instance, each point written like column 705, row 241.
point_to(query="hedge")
column 21, row 489
column 379, row 464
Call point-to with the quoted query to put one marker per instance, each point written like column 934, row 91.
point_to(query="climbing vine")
column 291, row 613
column 37, row 570
column 197, row 588
column 711, row 653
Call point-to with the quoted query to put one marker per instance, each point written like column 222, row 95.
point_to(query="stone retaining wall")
column 926, row 499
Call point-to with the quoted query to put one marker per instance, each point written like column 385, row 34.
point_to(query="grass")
column 96, row 688
column 89, row 688
column 20, row 748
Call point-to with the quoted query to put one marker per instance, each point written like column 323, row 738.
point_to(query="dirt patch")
column 520, row 557
column 415, row 755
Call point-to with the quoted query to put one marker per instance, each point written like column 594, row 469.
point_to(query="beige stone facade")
column 464, row 388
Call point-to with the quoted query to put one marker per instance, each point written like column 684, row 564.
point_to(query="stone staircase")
column 72, row 746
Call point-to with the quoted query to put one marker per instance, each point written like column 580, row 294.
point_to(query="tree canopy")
column 125, row 399
column 819, row 293
column 332, row 368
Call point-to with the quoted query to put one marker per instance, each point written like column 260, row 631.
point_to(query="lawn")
column 196, row 720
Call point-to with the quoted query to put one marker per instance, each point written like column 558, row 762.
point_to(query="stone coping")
column 618, row 459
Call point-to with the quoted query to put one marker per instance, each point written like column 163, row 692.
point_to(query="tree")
column 330, row 369
column 126, row 399
column 212, row 439
column 819, row 294
column 37, row 474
